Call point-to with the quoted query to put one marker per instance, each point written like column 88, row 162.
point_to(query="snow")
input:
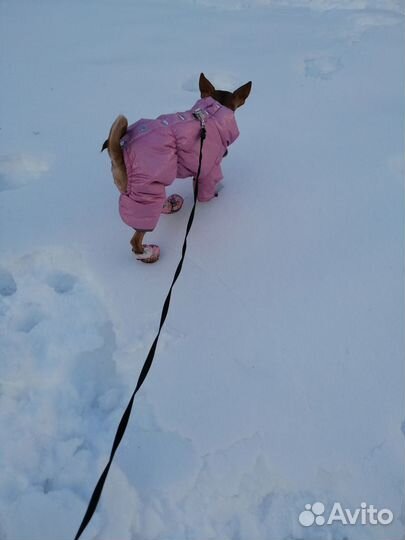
column 278, row 379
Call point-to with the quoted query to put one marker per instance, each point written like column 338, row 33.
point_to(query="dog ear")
column 241, row 94
column 206, row 88
column 105, row 145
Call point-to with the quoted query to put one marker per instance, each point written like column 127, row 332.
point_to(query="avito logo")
column 365, row 515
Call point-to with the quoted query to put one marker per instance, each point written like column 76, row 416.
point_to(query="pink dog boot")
column 151, row 253
column 172, row 204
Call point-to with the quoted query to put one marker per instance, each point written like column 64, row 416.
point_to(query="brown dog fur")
column 117, row 131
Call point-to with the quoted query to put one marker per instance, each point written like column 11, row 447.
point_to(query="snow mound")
column 20, row 169
column 59, row 391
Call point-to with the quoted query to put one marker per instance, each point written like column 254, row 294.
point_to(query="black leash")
column 149, row 359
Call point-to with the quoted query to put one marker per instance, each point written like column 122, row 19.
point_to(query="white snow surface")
column 278, row 380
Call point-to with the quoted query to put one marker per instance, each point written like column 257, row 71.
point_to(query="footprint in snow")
column 8, row 285
column 62, row 282
column 58, row 377
column 322, row 67
column 29, row 317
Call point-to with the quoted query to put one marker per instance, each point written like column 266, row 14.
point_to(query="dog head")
column 231, row 100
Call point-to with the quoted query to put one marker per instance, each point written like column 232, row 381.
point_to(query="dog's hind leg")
column 117, row 131
column 136, row 242
column 147, row 253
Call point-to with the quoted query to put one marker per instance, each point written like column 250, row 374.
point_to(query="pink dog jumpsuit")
column 156, row 152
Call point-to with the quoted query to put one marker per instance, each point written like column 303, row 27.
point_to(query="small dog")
column 149, row 155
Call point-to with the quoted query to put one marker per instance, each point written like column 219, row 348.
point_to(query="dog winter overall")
column 156, row 152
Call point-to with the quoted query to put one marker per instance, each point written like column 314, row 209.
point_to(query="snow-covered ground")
column 279, row 376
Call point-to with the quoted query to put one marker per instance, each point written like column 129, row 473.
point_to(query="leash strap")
column 149, row 359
